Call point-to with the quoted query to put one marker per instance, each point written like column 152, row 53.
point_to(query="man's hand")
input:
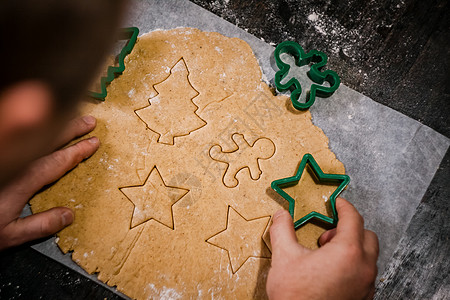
column 13, row 197
column 344, row 267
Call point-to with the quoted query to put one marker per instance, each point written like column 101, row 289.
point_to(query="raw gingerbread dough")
column 184, row 95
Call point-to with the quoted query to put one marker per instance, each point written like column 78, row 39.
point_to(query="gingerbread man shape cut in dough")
column 243, row 156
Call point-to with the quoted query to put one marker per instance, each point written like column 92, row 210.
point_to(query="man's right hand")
column 344, row 267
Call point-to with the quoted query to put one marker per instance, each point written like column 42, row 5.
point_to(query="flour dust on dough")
column 203, row 229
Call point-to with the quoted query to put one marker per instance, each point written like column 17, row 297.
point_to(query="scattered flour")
column 169, row 294
column 163, row 294
column 313, row 17
column 131, row 93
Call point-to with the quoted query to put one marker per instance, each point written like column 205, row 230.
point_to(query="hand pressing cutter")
column 336, row 179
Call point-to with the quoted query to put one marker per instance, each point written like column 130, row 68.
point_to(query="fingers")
column 48, row 169
column 282, row 233
column 351, row 224
column 77, row 127
column 327, row 236
column 371, row 244
column 36, row 226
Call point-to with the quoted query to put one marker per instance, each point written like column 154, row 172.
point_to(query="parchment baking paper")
column 390, row 158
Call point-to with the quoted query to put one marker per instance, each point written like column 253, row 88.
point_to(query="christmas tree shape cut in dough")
column 243, row 156
column 171, row 113
column 242, row 238
column 153, row 200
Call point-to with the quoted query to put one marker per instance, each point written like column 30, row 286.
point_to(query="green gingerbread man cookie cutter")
column 319, row 60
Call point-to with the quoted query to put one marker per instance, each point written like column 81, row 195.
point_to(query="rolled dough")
column 177, row 203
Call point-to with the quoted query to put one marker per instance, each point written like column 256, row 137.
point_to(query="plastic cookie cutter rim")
column 308, row 159
column 130, row 33
column 315, row 74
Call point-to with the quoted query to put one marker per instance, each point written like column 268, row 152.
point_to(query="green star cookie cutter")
column 319, row 60
column 130, row 34
column 335, row 179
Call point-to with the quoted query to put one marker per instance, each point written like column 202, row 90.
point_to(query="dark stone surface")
column 395, row 52
column 27, row 274
column 419, row 269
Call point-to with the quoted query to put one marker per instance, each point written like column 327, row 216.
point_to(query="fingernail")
column 93, row 140
column 89, row 120
column 278, row 214
column 67, row 217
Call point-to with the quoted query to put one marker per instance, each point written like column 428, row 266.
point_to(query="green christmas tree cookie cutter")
column 319, row 60
column 335, row 179
column 130, row 34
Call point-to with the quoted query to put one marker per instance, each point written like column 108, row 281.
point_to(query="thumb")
column 38, row 225
column 282, row 233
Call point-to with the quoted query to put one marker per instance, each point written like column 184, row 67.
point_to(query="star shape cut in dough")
column 153, row 200
column 242, row 239
column 334, row 179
